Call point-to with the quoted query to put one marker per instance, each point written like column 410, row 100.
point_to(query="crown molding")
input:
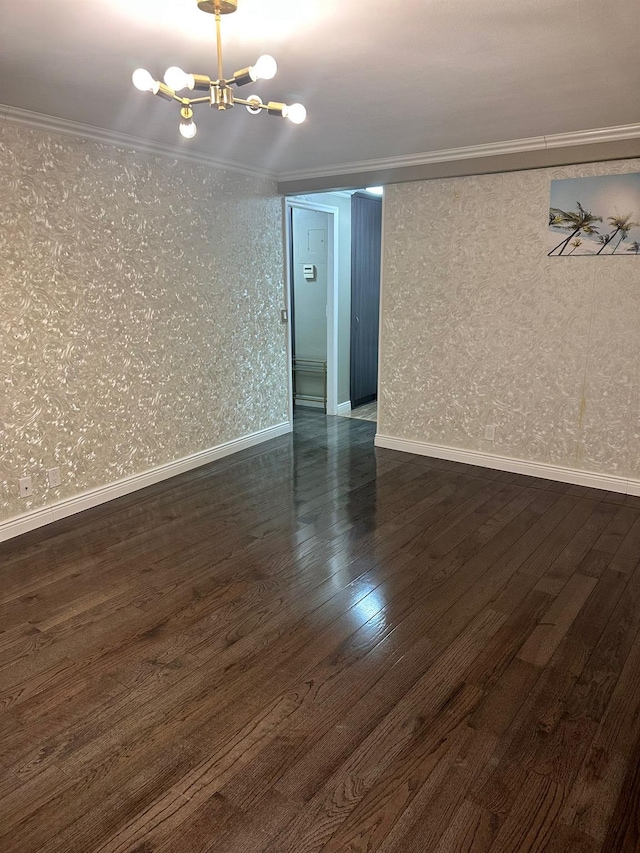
column 471, row 152
column 52, row 124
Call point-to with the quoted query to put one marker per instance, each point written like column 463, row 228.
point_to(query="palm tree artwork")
column 619, row 223
column 594, row 215
column 577, row 222
column 624, row 233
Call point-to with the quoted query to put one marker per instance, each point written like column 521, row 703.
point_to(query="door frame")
column 332, row 296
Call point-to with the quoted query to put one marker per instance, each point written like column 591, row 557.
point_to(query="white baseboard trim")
column 86, row 500
column 610, row 483
column 344, row 408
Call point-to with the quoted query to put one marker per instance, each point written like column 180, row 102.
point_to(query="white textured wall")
column 481, row 327
column 139, row 312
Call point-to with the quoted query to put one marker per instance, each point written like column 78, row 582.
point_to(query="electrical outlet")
column 54, row 477
column 490, row 432
column 26, row 487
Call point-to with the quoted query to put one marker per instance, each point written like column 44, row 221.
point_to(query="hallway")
column 367, row 412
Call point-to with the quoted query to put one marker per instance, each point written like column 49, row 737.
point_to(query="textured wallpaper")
column 481, row 327
column 139, row 312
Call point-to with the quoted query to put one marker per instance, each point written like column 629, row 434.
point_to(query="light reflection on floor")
column 371, row 604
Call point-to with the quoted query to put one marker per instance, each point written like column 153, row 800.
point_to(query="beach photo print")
column 595, row 216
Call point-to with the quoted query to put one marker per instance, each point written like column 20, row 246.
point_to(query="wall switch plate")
column 490, row 432
column 26, row 487
column 54, row 477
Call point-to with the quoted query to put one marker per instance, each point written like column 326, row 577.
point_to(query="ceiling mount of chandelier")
column 221, row 92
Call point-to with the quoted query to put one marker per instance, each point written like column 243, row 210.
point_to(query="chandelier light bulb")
column 177, row 79
column 254, row 106
column 188, row 129
column 265, row 68
column 296, row 113
column 143, row 81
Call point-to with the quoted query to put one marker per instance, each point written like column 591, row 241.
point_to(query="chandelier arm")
column 168, row 94
column 246, row 103
column 197, row 100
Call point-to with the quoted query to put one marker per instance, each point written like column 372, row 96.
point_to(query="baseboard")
column 609, row 483
column 344, row 408
column 86, row 500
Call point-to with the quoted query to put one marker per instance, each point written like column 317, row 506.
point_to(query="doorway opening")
column 312, row 241
column 333, row 243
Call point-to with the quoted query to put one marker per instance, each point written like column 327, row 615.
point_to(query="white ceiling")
column 380, row 79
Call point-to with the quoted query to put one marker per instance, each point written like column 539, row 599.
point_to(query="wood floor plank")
column 424, row 821
column 531, row 726
column 565, row 838
column 532, row 819
column 472, row 829
column 620, row 725
column 617, row 530
column 592, row 799
column 598, row 680
column 318, row 820
column 623, row 834
column 429, row 696
column 321, row 743
column 549, row 633
column 627, row 556
column 577, row 549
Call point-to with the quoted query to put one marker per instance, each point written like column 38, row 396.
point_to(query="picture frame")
column 597, row 216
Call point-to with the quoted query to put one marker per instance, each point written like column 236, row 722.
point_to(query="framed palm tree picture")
column 595, row 216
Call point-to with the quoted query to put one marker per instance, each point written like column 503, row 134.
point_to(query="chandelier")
column 221, row 93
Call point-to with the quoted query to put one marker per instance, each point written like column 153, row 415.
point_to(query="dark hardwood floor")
column 315, row 646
